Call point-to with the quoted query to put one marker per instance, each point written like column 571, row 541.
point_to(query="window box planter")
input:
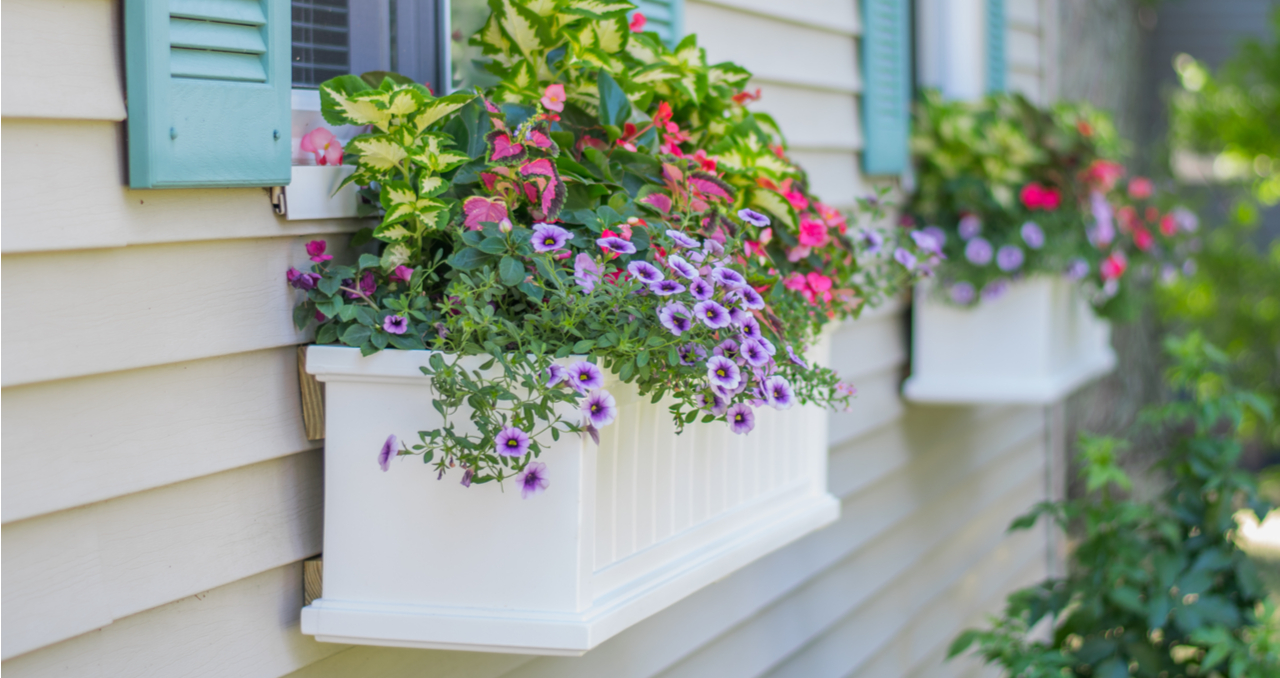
column 1036, row 344
column 625, row 528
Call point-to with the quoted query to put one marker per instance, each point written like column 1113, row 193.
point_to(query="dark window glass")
column 336, row 37
column 321, row 41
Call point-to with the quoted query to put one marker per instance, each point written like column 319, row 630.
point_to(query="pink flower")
column 1113, row 266
column 325, row 146
column 794, row 282
column 315, row 250
column 553, row 98
column 1103, row 174
column 1140, row 188
column 638, row 21
column 1143, row 239
column 812, row 233
column 401, row 274
column 1037, row 197
column 797, row 199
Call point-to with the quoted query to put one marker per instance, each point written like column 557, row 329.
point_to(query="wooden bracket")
column 312, row 399
column 312, row 579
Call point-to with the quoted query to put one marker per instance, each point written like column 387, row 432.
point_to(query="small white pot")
column 1036, row 344
column 623, row 530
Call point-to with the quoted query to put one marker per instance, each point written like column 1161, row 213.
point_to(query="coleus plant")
column 1007, row 189
column 592, row 214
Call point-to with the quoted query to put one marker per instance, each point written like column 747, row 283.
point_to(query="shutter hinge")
column 278, row 200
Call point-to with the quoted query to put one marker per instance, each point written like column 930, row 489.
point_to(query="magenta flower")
column 315, row 250
column 701, row 289
column 791, row 354
column 1078, row 269
column 728, row 277
column 388, row 451
column 302, row 281
column 777, row 392
column 533, row 480
column 549, row 238
column 753, row 217
column 367, row 285
column 711, row 314
column 907, row 259
column 995, row 289
column 556, row 374
column 645, row 272
column 962, row 293
column 600, row 408
column 682, row 240
column 675, row 317
column 666, row 288
column 401, row 274
column 586, row 272
column 978, row 251
column 616, row 245
column 754, row 352
column 741, row 419
column 729, row 349
column 684, row 268
column 511, row 442
column 1033, row 235
column 585, row 376
column 1010, row 258
column 395, row 324
column 723, row 372
column 970, row 226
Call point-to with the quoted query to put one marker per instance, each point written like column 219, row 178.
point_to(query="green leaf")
column 615, row 107
column 356, row 335
column 1112, row 668
column 511, row 271
column 1127, row 598
column 584, row 346
column 327, row 334
column 468, row 258
column 493, row 245
column 962, row 642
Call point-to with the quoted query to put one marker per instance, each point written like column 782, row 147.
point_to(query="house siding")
column 160, row 493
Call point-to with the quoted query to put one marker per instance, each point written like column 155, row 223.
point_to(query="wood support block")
column 312, row 399
column 312, row 579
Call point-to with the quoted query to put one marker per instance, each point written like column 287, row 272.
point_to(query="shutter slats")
column 665, row 17
column 231, row 11
column 206, row 65
column 222, row 37
column 886, row 96
column 996, row 63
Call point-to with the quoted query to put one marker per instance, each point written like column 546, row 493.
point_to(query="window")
column 335, row 37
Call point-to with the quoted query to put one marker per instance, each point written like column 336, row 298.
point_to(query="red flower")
column 744, row 96
column 1084, row 128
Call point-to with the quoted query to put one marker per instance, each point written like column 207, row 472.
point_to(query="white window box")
column 312, row 191
column 624, row 529
column 1036, row 344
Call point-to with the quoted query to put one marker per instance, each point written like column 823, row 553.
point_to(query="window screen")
column 321, row 41
column 336, row 37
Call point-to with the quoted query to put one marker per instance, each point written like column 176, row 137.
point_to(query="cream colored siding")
column 1025, row 47
column 159, row 492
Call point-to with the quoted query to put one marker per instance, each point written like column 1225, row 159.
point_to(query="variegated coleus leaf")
column 379, row 152
column 551, row 189
column 348, row 100
column 503, row 149
column 596, row 9
column 432, row 153
column 728, row 73
column 478, row 210
column 646, row 48
column 432, row 111
column 773, row 203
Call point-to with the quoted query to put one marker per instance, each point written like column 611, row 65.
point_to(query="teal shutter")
column 666, row 18
column 995, row 46
column 886, row 85
column 208, row 85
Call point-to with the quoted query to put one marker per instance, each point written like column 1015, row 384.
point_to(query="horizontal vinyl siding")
column 1024, row 48
column 160, row 494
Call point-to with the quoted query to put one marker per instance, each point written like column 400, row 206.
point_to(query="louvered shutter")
column 886, row 85
column 208, row 86
column 995, row 46
column 666, row 18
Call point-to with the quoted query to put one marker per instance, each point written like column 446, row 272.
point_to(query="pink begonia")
column 401, row 274
column 797, row 200
column 638, row 21
column 553, row 98
column 325, row 146
column 794, row 282
column 812, row 233
column 1140, row 188
column 315, row 250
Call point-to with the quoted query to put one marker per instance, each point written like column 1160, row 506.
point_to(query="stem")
column 360, row 294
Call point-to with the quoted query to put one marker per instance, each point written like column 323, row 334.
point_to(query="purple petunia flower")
column 723, row 372
column 751, row 329
column 395, row 324
column 1077, row 269
column 796, row 359
column 738, row 316
column 729, row 349
column 511, row 442
column 711, row 314
column 691, row 354
column 872, row 239
column 682, row 240
column 978, row 251
column 751, row 299
column 728, row 277
column 741, row 419
column 387, row 452
column 556, row 374
column 584, row 376
column 939, row 236
column 712, row 402
column 970, row 226
column 300, row 280
column 616, row 245
column 995, row 289
column 962, row 293
column 1186, row 220
column 927, row 242
column 684, row 268
column 549, row 238
column 701, row 290
column 754, row 352
column 586, row 272
column 533, row 480
column 1189, row 267
column 1104, row 227
column 1033, row 235
column 753, row 217
column 1010, row 258
column 777, row 392
column 907, row 259
column 675, row 317
column 645, row 272
column 467, row 475
column 600, row 408
column 768, row 346
column 666, row 288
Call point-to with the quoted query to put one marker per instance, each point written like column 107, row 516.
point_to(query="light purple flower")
column 1104, row 227
column 533, row 480
column 395, row 324
column 728, row 277
column 723, row 372
column 939, row 236
column 1185, row 219
column 738, row 316
column 387, row 452
column 796, row 359
column 584, row 376
column 600, row 408
column 586, row 271
column 556, row 374
column 978, row 251
column 768, row 346
column 741, row 419
column 684, row 268
column 511, row 442
column 467, row 475
column 753, row 217
column 927, row 241
column 872, row 239
column 1077, row 269
column 751, row 299
column 549, row 238
column 962, row 293
column 995, row 289
column 751, row 329
column 712, row 248
column 712, row 402
column 1189, row 267
column 777, row 392
column 701, row 289
column 728, row 349
column 682, row 240
column 754, row 352
column 300, row 280
column 711, row 314
column 907, row 259
column 645, row 272
column 1033, row 235
column 675, row 317
column 616, row 245
column 970, row 225
column 691, row 354
column 666, row 288
column 1010, row 258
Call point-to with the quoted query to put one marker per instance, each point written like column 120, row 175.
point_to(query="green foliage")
column 1154, row 588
